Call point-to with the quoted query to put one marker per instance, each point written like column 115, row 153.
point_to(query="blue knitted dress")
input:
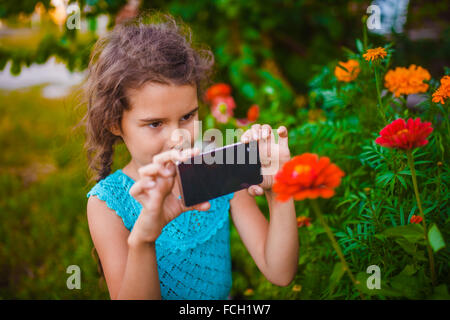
column 193, row 250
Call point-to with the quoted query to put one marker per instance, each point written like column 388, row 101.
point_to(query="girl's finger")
column 266, row 131
column 141, row 185
column 204, row 206
column 283, row 137
column 265, row 143
column 255, row 190
column 188, row 153
column 175, row 155
column 256, row 132
column 246, row 136
column 170, row 155
column 162, row 158
column 149, row 170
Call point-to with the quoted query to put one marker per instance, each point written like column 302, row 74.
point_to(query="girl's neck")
column 131, row 170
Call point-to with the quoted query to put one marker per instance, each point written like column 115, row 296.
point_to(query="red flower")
column 253, row 113
column 416, row 219
column 252, row 116
column 217, row 90
column 303, row 221
column 307, row 176
column 405, row 135
column 222, row 108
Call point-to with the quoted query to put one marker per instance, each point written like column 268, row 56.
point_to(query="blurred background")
column 262, row 48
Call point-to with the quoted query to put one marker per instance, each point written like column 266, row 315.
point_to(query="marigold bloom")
column 315, row 115
column 222, row 108
column 217, row 90
column 375, row 54
column 303, row 221
column 405, row 135
column 352, row 72
column 415, row 219
column 443, row 92
column 307, row 176
column 407, row 81
column 297, row 288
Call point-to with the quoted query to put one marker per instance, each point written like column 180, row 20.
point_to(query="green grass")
column 43, row 183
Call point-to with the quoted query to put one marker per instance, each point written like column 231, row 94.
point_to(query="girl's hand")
column 158, row 193
column 272, row 155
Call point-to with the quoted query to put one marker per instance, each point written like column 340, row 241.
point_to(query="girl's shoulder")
column 115, row 183
column 114, row 191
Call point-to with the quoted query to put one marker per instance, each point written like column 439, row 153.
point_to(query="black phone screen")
column 219, row 172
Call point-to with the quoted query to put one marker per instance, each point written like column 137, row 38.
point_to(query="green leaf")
column 406, row 245
column 210, row 121
column 435, row 238
column 408, row 285
column 359, row 46
column 249, row 91
column 411, row 232
column 385, row 290
column 336, row 275
column 440, row 293
column 400, row 178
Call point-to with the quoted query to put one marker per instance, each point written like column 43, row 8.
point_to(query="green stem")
column 419, row 205
column 364, row 21
column 336, row 247
column 380, row 104
column 447, row 122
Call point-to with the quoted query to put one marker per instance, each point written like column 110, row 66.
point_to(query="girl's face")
column 155, row 118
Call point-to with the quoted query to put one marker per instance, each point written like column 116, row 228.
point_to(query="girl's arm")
column 273, row 246
column 129, row 266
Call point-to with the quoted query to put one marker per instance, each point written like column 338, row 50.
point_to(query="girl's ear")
column 115, row 130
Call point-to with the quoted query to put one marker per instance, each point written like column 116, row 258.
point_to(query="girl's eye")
column 157, row 123
column 188, row 116
column 151, row 124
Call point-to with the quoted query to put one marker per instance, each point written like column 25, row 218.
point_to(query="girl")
column 144, row 81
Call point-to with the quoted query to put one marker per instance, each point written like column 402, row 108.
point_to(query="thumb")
column 204, row 206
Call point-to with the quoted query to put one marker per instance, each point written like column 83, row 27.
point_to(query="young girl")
column 144, row 81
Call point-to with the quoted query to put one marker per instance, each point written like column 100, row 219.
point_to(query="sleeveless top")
column 192, row 251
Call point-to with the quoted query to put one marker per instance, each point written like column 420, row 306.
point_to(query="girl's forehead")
column 162, row 101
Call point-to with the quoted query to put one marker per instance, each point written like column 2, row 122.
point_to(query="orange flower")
column 217, row 90
column 352, row 72
column 303, row 221
column 443, row 92
column 252, row 116
column 375, row 54
column 416, row 219
column 253, row 113
column 307, row 176
column 407, row 81
column 249, row 292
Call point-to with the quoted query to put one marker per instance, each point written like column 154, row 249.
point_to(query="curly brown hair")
column 153, row 47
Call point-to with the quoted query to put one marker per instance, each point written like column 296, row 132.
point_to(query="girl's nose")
column 177, row 138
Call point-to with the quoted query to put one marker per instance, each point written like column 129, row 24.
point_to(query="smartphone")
column 219, row 172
